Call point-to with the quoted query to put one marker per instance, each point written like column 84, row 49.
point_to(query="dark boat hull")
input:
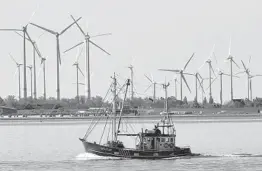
column 101, row 150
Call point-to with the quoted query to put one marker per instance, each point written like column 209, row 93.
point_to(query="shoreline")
column 137, row 119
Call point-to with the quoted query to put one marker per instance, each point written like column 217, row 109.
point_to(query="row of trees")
column 72, row 103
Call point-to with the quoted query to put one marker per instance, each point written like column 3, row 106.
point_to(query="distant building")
column 7, row 111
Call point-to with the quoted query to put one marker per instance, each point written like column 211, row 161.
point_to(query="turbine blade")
column 148, row 78
column 240, row 72
column 235, row 63
column 244, row 65
column 188, row 73
column 79, row 53
column 200, row 84
column 189, row 61
column 11, row 30
column 212, row 82
column 80, row 70
column 21, row 35
column 33, row 13
column 257, row 75
column 183, row 77
column 69, row 26
column 202, row 65
column 226, row 74
column 13, row 59
column 200, row 76
column 99, row 47
column 73, row 47
column 215, row 57
column 37, row 50
column 171, row 70
column 212, row 69
column 15, row 72
column 33, row 43
column 99, row 35
column 50, row 31
column 249, row 61
column 148, row 87
column 78, row 26
column 229, row 49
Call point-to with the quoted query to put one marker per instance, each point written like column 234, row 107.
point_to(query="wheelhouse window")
column 171, row 140
column 162, row 139
column 167, row 139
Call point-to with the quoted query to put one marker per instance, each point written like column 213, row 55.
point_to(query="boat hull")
column 101, row 150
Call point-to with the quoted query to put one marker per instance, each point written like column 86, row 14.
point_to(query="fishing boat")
column 156, row 143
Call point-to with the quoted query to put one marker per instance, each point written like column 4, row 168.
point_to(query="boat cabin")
column 155, row 140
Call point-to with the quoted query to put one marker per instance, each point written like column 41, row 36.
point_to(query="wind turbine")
column 57, row 34
column 35, row 50
column 44, row 78
column 18, row 69
column 249, row 77
column 25, row 33
column 197, row 76
column 220, row 73
column 78, row 69
column 31, row 79
column 230, row 58
column 153, row 83
column 87, row 57
column 250, row 80
column 182, row 77
column 210, row 68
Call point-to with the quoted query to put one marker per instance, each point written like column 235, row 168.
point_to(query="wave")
column 90, row 156
column 229, row 155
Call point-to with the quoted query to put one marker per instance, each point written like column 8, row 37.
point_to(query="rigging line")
column 91, row 127
column 92, row 122
column 109, row 131
column 103, row 130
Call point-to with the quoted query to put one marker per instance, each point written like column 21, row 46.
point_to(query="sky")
column 150, row 34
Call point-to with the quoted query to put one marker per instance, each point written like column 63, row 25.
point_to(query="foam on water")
column 90, row 156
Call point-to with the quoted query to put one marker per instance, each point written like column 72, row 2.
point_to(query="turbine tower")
column 44, row 78
column 19, row 75
column 230, row 58
column 182, row 77
column 87, row 57
column 78, row 69
column 30, row 67
column 57, row 34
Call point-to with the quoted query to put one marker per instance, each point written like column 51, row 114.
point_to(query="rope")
column 92, row 122
column 103, row 130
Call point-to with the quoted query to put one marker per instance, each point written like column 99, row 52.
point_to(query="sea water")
column 55, row 146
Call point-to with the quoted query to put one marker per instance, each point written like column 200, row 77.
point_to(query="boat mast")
column 121, row 111
column 114, row 107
